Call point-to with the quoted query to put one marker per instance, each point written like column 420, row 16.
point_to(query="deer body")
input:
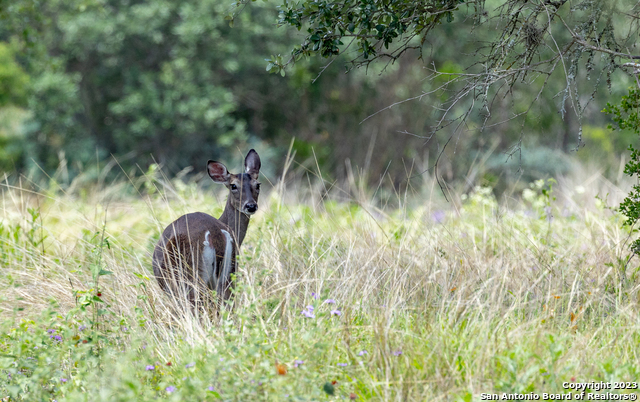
column 198, row 251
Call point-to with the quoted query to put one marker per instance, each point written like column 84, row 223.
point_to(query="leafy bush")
column 13, row 79
column 627, row 117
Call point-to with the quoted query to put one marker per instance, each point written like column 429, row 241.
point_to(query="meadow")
column 339, row 296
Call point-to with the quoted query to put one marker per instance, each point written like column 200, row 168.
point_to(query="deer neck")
column 236, row 221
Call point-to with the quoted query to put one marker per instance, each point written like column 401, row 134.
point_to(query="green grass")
column 437, row 301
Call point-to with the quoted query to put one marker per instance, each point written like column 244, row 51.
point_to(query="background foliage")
column 172, row 82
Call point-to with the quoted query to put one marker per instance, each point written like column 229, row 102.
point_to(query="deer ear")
column 252, row 164
column 218, row 172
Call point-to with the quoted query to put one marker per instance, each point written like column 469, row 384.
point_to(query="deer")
column 197, row 251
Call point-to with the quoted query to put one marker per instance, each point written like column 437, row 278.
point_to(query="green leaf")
column 328, row 388
column 140, row 276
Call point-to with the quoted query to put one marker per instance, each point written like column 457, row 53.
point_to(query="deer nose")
column 252, row 207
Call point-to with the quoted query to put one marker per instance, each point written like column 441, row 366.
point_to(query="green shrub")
column 626, row 116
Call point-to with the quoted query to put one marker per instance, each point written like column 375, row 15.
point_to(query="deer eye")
column 258, row 186
column 234, row 187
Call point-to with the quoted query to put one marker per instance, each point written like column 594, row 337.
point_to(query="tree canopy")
column 164, row 81
column 515, row 42
column 158, row 81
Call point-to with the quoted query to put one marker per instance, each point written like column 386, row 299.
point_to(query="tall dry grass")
column 448, row 300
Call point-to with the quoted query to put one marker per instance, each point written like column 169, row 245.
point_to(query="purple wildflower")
column 363, row 352
column 82, row 328
column 170, row 389
column 51, row 331
column 63, row 380
column 56, row 338
column 336, row 312
column 342, row 364
column 314, row 295
column 297, row 363
column 210, row 388
column 222, row 359
column 308, row 312
column 189, row 365
column 397, row 352
column 438, row 216
column 329, row 301
column 150, row 367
